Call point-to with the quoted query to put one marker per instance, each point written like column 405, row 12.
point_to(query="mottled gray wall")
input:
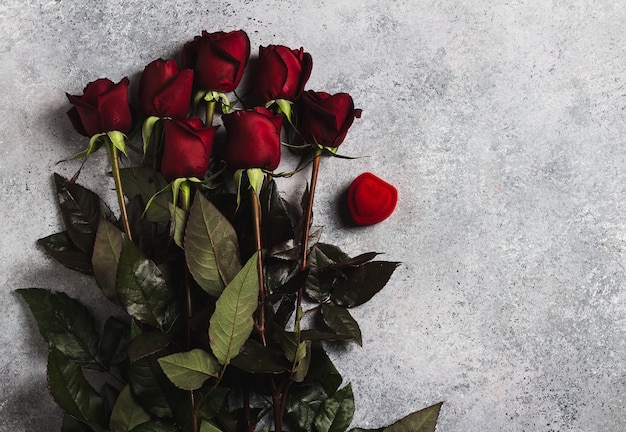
column 501, row 124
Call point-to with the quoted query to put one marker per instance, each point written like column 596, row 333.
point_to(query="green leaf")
column 148, row 184
column 335, row 414
column 178, row 224
column 109, row 395
column 323, row 371
column 64, row 323
column 127, row 413
column 339, row 320
column 189, row 370
column 70, row 424
column 81, row 210
column 209, row 427
column 319, row 281
column 147, row 343
column 302, row 361
column 357, row 260
column 60, row 247
column 332, row 253
column 211, row 403
column 276, row 223
column 366, row 430
column 155, row 426
column 106, row 255
column 211, row 247
column 71, row 390
column 362, row 283
column 114, row 343
column 302, row 406
column 152, row 389
column 142, row 290
column 231, row 323
column 424, row 420
column 255, row 358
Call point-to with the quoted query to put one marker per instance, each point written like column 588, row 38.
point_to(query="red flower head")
column 218, row 59
column 103, row 107
column 282, row 72
column 187, row 146
column 325, row 119
column 253, row 139
column 164, row 91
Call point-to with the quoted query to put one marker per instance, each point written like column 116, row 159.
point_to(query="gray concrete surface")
column 501, row 124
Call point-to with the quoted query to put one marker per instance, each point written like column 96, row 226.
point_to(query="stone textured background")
column 502, row 125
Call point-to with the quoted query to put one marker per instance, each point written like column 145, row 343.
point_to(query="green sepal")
column 284, row 107
column 146, row 131
column 256, row 177
column 216, row 96
column 94, row 144
column 118, row 140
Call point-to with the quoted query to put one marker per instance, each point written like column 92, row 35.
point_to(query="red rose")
column 103, row 107
column 218, row 59
column 187, row 148
column 325, row 119
column 164, row 91
column 253, row 139
column 282, row 72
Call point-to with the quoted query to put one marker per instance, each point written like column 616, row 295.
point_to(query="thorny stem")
column 307, row 226
column 256, row 217
column 210, row 112
column 115, row 168
column 185, row 202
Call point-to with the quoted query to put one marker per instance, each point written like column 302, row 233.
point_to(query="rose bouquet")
column 226, row 295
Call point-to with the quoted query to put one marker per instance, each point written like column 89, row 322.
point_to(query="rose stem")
column 308, row 217
column 256, row 216
column 185, row 203
column 309, row 209
column 210, row 111
column 115, row 168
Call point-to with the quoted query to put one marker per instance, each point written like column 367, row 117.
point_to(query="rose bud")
column 218, row 59
column 187, row 148
column 371, row 199
column 325, row 119
column 164, row 91
column 103, row 107
column 282, row 72
column 253, row 139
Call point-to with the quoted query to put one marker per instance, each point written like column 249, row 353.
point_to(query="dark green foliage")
column 197, row 327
